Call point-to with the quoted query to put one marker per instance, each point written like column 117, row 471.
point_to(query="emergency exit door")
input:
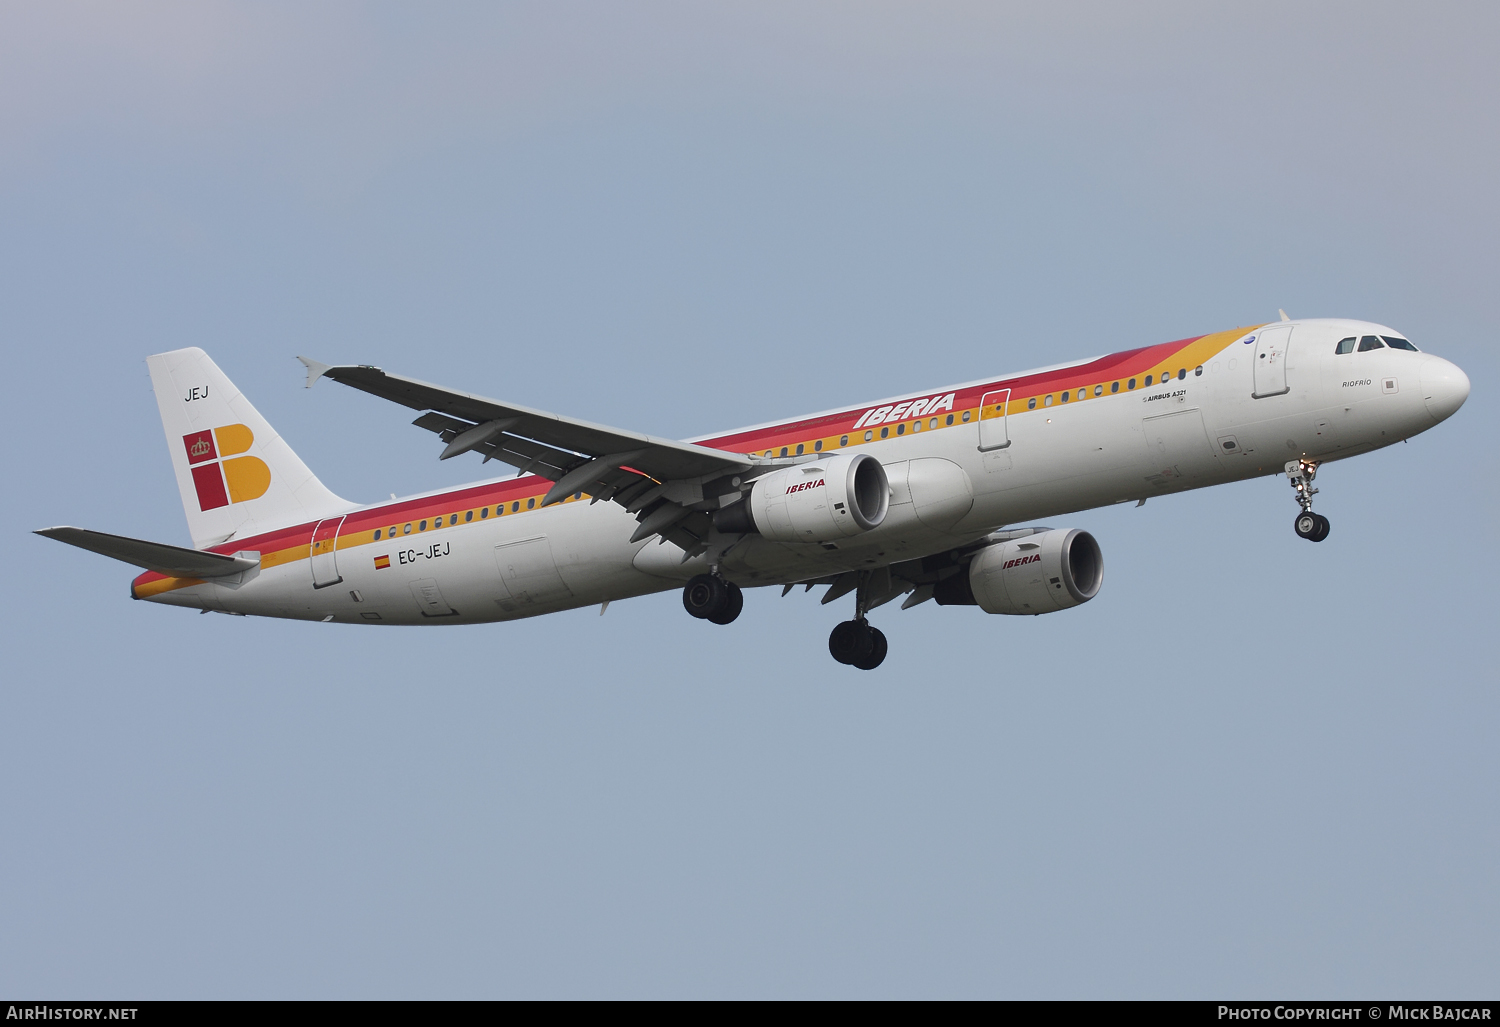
column 994, row 429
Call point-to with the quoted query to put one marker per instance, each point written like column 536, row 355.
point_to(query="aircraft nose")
column 1444, row 387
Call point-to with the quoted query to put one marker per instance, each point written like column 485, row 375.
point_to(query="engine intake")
column 1041, row 573
column 835, row 497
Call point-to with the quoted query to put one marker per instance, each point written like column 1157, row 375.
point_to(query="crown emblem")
column 201, row 448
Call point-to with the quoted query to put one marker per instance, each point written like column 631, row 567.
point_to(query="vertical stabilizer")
column 236, row 475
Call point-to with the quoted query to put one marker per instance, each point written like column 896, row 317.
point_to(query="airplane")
column 913, row 496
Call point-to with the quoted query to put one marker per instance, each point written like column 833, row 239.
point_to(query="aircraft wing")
column 641, row 472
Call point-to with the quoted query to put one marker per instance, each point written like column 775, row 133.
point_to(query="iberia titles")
column 911, row 408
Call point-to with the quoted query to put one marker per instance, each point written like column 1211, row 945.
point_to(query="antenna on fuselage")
column 1283, row 315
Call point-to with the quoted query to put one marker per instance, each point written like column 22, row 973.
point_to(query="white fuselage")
column 1216, row 424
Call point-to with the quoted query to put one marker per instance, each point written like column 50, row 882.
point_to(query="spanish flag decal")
column 382, row 562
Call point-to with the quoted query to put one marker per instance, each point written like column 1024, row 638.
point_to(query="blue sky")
column 1251, row 766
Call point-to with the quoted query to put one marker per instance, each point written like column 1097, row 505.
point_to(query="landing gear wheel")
column 1311, row 526
column 877, row 652
column 851, row 641
column 857, row 644
column 1308, row 525
column 734, row 603
column 704, row 596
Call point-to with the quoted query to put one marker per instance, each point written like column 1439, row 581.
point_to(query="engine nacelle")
column 831, row 498
column 1041, row 573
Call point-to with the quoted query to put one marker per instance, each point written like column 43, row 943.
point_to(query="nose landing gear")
column 711, row 598
column 1308, row 525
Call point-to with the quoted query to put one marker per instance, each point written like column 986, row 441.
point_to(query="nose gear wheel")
column 1311, row 526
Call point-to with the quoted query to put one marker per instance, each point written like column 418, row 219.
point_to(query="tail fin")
column 237, row 477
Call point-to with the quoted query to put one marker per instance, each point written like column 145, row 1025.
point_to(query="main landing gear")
column 854, row 642
column 1308, row 525
column 711, row 598
column 857, row 644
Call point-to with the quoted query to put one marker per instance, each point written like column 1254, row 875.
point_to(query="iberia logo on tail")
column 220, row 474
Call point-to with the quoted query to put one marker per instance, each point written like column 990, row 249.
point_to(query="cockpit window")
column 1395, row 343
column 1346, row 345
column 1370, row 342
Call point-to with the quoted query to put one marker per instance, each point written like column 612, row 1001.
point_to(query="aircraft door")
column 1178, row 449
column 323, row 553
column 528, row 573
column 1270, row 362
column 994, row 429
column 430, row 599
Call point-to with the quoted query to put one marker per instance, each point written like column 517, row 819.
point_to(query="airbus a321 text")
column 905, row 497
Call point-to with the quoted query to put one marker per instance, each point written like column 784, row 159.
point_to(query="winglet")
column 315, row 370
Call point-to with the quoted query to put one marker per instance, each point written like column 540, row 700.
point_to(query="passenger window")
column 885, row 432
column 933, row 423
column 422, row 526
column 1031, row 403
column 530, row 503
column 901, row 429
column 843, row 440
column 1148, row 379
column 783, row 451
column 966, row 417
column 1066, row 396
column 377, row 534
column 1346, row 345
column 1181, row 374
column 950, row 419
column 818, row 446
column 799, row 449
column 1198, row 371
column 1048, row 401
column 484, row 512
column 1131, row 383
column 469, row 516
column 869, row 435
column 516, row 506
column 1098, row 390
column 1114, row 386
column 1370, row 342
column 1394, row 343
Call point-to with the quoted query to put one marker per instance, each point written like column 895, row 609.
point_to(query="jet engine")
column 831, row 498
column 1051, row 570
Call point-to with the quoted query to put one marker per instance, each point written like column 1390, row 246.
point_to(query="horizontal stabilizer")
column 154, row 556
